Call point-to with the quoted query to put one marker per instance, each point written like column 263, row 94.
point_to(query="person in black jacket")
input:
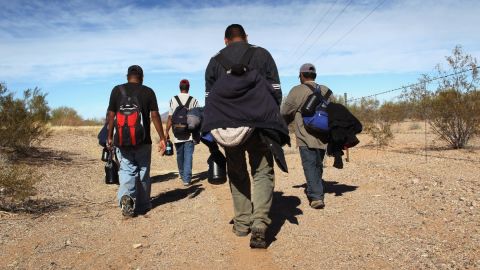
column 251, row 210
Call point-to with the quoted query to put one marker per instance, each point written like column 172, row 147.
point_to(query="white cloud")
column 77, row 41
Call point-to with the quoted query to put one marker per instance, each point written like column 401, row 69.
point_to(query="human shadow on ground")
column 164, row 177
column 283, row 208
column 174, row 175
column 176, row 195
column 331, row 187
column 198, row 177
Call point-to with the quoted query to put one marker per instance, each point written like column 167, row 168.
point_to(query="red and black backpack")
column 129, row 128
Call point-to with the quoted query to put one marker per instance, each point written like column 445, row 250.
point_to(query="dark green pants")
column 251, row 210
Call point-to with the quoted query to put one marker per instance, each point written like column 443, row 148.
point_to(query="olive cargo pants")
column 251, row 210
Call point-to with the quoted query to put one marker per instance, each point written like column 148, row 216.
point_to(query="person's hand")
column 109, row 144
column 161, row 146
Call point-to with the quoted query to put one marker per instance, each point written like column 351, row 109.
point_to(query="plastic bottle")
column 169, row 148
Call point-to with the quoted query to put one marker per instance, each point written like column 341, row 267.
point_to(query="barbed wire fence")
column 406, row 88
column 426, row 80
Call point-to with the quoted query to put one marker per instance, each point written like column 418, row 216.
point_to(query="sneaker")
column 240, row 233
column 258, row 238
column 186, row 184
column 128, row 206
column 317, row 204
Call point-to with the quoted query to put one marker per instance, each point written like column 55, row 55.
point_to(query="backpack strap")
column 122, row 90
column 247, row 56
column 227, row 64
column 178, row 101
column 317, row 88
column 187, row 105
column 222, row 60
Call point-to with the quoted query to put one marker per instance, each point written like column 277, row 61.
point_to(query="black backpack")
column 236, row 89
column 179, row 118
column 129, row 126
column 236, row 69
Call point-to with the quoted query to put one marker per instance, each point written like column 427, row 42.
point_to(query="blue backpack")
column 314, row 111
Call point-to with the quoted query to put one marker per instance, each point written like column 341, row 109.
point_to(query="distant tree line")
column 66, row 116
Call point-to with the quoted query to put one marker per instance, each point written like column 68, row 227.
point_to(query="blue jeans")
column 312, row 162
column 134, row 174
column 185, row 159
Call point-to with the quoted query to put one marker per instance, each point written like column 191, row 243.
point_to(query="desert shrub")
column 93, row 122
column 381, row 132
column 366, row 110
column 65, row 116
column 415, row 98
column 393, row 112
column 377, row 122
column 23, row 121
column 455, row 107
column 454, row 116
column 17, row 182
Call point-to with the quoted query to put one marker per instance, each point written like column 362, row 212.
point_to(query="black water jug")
column 217, row 168
column 111, row 167
column 308, row 108
column 105, row 154
column 111, row 173
column 169, row 148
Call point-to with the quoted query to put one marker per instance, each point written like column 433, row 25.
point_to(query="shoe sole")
column 317, row 206
column 128, row 206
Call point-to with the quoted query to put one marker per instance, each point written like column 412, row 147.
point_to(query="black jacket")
column 344, row 127
column 262, row 61
column 235, row 103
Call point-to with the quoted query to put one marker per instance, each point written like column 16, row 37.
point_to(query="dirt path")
column 385, row 210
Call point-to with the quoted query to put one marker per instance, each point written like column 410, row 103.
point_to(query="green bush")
column 381, row 132
column 453, row 109
column 65, row 116
column 23, row 121
column 455, row 116
column 376, row 120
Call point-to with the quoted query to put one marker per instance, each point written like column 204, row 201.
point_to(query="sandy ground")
column 389, row 208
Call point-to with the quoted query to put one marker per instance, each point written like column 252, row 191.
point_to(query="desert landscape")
column 389, row 208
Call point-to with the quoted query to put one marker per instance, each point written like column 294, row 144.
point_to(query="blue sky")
column 76, row 51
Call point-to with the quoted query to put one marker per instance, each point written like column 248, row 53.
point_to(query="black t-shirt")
column 146, row 98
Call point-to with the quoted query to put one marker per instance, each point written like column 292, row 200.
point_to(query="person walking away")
column 312, row 149
column 177, row 121
column 131, row 108
column 251, row 211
